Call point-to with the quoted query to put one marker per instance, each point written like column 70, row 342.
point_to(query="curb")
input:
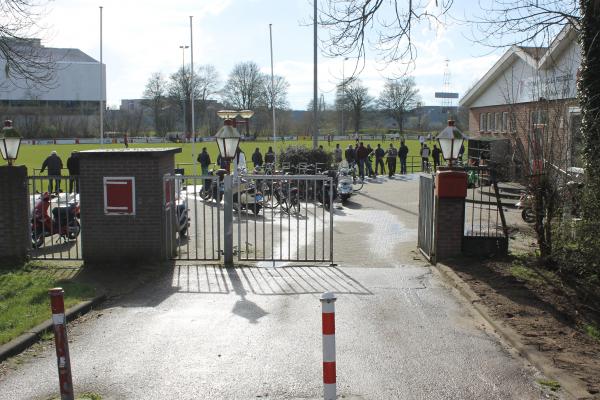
column 18, row 344
column 570, row 386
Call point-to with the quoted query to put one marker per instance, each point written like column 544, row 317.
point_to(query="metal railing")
column 54, row 219
column 426, row 217
column 292, row 223
column 194, row 222
column 484, row 215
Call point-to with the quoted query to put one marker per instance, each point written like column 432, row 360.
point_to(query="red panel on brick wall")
column 451, row 184
column 119, row 195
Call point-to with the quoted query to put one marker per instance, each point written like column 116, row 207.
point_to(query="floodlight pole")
column 101, row 87
column 273, row 92
column 315, row 88
column 192, row 95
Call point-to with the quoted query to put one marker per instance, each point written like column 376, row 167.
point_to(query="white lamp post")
column 228, row 137
column 450, row 140
column 9, row 143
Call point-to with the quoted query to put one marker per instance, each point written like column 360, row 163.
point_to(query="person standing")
column 425, row 158
column 73, row 167
column 126, row 140
column 392, row 153
column 349, row 154
column 370, row 161
column 403, row 154
column 270, row 156
column 257, row 158
column 361, row 154
column 54, row 165
column 337, row 154
column 379, row 154
column 435, row 154
column 204, row 160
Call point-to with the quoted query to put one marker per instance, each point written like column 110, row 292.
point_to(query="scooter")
column 214, row 188
column 64, row 221
column 344, row 186
column 181, row 206
column 249, row 197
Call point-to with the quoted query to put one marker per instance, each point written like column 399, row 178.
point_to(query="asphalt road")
column 204, row 332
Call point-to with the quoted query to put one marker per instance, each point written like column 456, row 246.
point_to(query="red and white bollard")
column 328, row 312
column 62, row 344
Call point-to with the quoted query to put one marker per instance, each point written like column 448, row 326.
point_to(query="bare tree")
column 385, row 27
column 155, row 95
column 358, row 99
column 24, row 61
column 206, row 80
column 398, row 97
column 276, row 95
column 245, row 87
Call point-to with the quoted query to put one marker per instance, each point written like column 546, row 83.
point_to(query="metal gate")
column 276, row 218
column 55, row 235
column 426, row 215
column 196, row 218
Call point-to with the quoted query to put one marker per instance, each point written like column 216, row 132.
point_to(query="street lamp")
column 9, row 143
column 228, row 137
column 450, row 140
column 183, row 81
column 230, row 117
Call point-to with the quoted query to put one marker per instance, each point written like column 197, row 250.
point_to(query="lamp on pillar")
column 228, row 137
column 246, row 115
column 9, row 142
column 450, row 140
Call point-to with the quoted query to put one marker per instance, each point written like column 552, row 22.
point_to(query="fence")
column 485, row 224
column 426, row 216
column 55, row 225
column 277, row 218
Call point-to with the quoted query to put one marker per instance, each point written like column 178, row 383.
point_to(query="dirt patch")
column 559, row 317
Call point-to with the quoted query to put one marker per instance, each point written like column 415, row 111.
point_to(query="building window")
column 489, row 122
column 482, row 122
column 498, row 122
column 504, row 121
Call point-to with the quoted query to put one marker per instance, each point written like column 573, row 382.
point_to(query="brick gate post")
column 14, row 215
column 449, row 220
column 123, row 219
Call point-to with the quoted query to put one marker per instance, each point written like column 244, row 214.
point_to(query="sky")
column 140, row 38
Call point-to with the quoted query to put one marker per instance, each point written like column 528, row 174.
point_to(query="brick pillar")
column 14, row 215
column 130, row 239
column 450, row 192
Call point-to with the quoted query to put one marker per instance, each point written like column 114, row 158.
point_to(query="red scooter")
column 64, row 221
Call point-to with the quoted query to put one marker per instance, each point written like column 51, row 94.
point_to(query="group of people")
column 54, row 165
column 239, row 160
column 363, row 156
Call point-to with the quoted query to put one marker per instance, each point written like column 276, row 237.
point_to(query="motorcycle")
column 214, row 188
column 181, row 206
column 249, row 197
column 344, row 186
column 63, row 222
column 570, row 192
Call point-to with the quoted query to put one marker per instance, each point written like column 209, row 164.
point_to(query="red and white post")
column 328, row 312
column 62, row 344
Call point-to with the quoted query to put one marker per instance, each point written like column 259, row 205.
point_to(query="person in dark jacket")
column 379, row 154
column 257, row 158
column 361, row 154
column 349, row 155
column 204, row 160
column 270, row 156
column 403, row 154
column 435, row 154
column 54, row 165
column 392, row 153
column 73, row 167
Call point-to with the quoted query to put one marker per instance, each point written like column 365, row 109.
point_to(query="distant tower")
column 446, row 95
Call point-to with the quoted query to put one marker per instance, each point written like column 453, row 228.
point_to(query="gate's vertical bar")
column 323, row 223
column 228, row 220
column 314, row 225
column 218, row 206
column 331, row 189
column 306, row 230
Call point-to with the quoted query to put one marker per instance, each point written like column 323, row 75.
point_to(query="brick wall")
column 124, row 238
column 14, row 215
column 449, row 227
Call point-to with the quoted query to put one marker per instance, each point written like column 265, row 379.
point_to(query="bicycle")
column 357, row 182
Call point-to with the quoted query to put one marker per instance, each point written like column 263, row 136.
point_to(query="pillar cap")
column 328, row 297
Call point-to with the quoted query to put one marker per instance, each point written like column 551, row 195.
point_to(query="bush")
column 295, row 155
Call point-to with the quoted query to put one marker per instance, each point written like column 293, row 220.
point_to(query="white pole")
column 315, row 88
column 328, row 328
column 183, row 82
column 273, row 92
column 192, row 94
column 101, row 87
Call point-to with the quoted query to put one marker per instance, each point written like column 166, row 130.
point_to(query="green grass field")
column 33, row 156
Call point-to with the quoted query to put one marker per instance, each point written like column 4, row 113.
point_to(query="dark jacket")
column 53, row 163
column 403, row 151
column 379, row 153
column 349, row 154
column 204, row 159
column 270, row 157
column 362, row 153
column 73, row 164
column 257, row 159
column 435, row 153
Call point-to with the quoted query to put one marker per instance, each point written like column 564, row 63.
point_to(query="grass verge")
column 593, row 332
column 24, row 300
column 552, row 385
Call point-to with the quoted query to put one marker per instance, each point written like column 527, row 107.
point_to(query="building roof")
column 537, row 57
column 57, row 55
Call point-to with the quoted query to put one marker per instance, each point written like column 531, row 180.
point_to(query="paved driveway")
column 204, row 332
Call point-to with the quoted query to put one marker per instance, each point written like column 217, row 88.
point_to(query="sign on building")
column 119, row 195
